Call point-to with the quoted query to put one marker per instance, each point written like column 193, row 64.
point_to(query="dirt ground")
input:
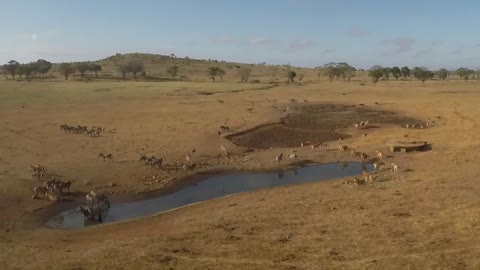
column 426, row 216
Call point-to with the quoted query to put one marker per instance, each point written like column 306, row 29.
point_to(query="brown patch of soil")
column 315, row 124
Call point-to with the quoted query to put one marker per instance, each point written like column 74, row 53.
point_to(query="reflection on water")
column 210, row 188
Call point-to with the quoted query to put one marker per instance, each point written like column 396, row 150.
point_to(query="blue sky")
column 300, row 32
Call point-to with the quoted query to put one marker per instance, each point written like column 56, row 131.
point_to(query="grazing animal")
column 90, row 214
column 302, row 144
column 91, row 200
column 356, row 125
column 368, row 176
column 109, row 157
column 342, row 147
column 188, row 158
column 395, row 167
column 59, row 186
column 365, row 134
column 378, row 165
column 405, row 135
column 224, row 128
column 353, row 153
column 40, row 190
column 363, row 156
column 279, row 158
column 194, row 150
column 357, row 181
column 305, row 100
column 53, row 198
column 379, row 154
column 407, row 126
column 101, row 155
column 292, row 155
column 224, row 150
column 221, row 101
column 248, row 109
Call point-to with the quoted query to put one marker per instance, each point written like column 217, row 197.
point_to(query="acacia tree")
column 386, row 72
column 95, row 68
column 221, row 73
column 213, row 72
column 244, row 74
column 422, row 74
column 442, row 74
column 82, row 67
column 396, row 72
column 42, row 66
column 291, row 75
column 376, row 72
column 27, row 70
column 11, row 67
column 135, row 66
column 66, row 69
column 173, row 71
column 335, row 70
column 405, row 72
column 464, row 73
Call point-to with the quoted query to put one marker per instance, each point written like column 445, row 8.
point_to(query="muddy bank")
column 316, row 123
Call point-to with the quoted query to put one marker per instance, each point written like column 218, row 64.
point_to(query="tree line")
column 14, row 68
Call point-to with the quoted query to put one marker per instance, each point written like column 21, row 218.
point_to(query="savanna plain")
column 426, row 215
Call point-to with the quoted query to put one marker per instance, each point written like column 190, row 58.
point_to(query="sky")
column 435, row 34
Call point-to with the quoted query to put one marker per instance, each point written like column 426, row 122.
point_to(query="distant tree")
column 82, row 68
column 396, row 72
column 464, row 73
column 386, row 72
column 213, row 72
column 173, row 71
column 405, row 72
column 244, row 74
column 221, row 73
column 335, row 70
column 332, row 72
column 20, row 71
column 422, row 74
column 291, row 75
column 66, row 69
column 42, row 66
column 95, row 68
column 442, row 74
column 29, row 69
column 376, row 72
column 11, row 67
column 135, row 66
column 122, row 68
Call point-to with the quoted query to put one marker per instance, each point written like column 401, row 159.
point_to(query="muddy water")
column 209, row 188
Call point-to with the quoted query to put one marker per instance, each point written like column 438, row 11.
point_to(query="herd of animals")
column 98, row 204
column 92, row 132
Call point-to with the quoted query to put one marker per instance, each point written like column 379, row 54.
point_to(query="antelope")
column 221, row 101
column 379, row 154
column 248, row 109
column 395, row 167
column 225, row 128
column 305, row 100
column 60, row 186
column 365, row 134
column 357, row 181
column 356, row 125
column 353, row 153
column 89, row 214
column 301, row 144
column 368, row 176
column 342, row 147
column 156, row 162
column 407, row 126
column 363, row 156
column 101, row 155
column 91, row 200
column 194, row 150
column 188, row 158
column 279, row 158
column 292, row 155
column 378, row 165
column 224, row 150
column 53, row 198
column 38, row 190
column 109, row 157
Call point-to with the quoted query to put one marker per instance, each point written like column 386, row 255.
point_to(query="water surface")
column 214, row 186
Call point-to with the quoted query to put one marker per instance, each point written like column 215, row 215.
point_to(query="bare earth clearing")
column 426, row 216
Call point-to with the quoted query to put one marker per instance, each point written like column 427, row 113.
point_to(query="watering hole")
column 214, row 186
